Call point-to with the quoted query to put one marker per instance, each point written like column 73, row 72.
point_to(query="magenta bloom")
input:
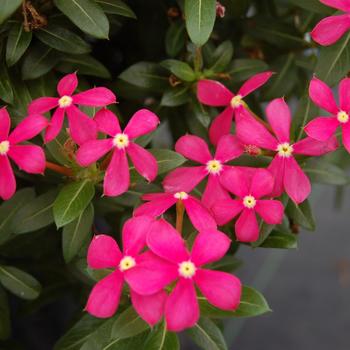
column 159, row 203
column 213, row 93
column 196, row 149
column 221, row 289
column 322, row 128
column 30, row 158
column 286, row 171
column 104, row 253
column 250, row 190
column 117, row 178
column 332, row 28
column 81, row 127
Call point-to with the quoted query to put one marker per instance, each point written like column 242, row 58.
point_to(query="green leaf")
column 313, row 5
column 222, row 56
column 301, row 214
column 72, row 200
column 17, row 43
column 280, row 240
column 167, row 160
column 62, row 39
column 175, row 39
column 19, row 282
column 8, row 7
column 76, row 233
column 200, row 18
column 176, row 96
column 207, row 335
column 116, row 7
column 86, row 15
column 6, row 90
column 242, row 69
column 181, row 69
column 5, row 322
column 160, row 339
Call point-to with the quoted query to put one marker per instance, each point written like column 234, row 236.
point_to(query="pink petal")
column 42, row 105
column 141, row 123
column 343, row 5
column 117, row 177
column 96, row 97
column 209, row 246
column 103, row 252
column 28, row 128
column 29, row 158
column 296, row 183
column 134, row 234
column 330, row 29
column 252, row 132
column 276, row 168
column 107, row 122
column 184, row 179
column 149, row 307
column 225, row 210
column 236, row 181
column 67, row 85
column 213, row 93
column 156, row 207
column 279, row 117
column 312, row 147
column 198, row 214
column 221, row 125
column 214, row 191
column 145, row 163
column 321, row 128
column 346, row 136
column 246, row 227
column 262, row 183
column 194, row 148
column 344, row 94
column 166, row 242
column 93, row 150
column 271, row 211
column 254, row 83
column 7, row 179
column 228, row 148
column 5, row 124
column 321, row 94
column 55, row 125
column 221, row 289
column 105, row 296
column 181, row 308
column 81, row 127
column 154, row 196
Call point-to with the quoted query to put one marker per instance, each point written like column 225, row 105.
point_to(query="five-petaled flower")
column 117, row 176
column 81, row 127
column 286, row 171
column 30, row 158
column 213, row 93
column 250, row 188
column 104, row 253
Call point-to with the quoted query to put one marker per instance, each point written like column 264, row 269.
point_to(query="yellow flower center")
column 127, row 263
column 285, row 149
column 214, row 166
column 249, row 202
column 181, row 195
column 65, row 101
column 236, row 101
column 187, row 269
column 4, row 147
column 343, row 117
column 121, row 141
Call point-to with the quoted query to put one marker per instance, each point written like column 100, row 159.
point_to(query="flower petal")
column 321, row 128
column 221, row 289
column 246, row 227
column 181, row 308
column 214, row 191
column 55, row 125
column 271, row 211
column 42, row 105
column 93, row 150
column 67, row 85
column 104, row 298
column 228, row 148
column 145, row 163
column 346, row 136
column 213, row 93
column 7, row 179
column 254, row 83
column 276, row 168
column 5, row 124
column 103, row 252
column 344, row 94
column 343, row 5
column 194, row 148
column 141, row 123
column 322, row 95
column 156, row 207
column 96, row 97
column 262, row 183
column 221, row 125
column 225, row 210
column 107, row 122
column 311, row 147
column 209, row 246
column 30, row 158
column 235, row 180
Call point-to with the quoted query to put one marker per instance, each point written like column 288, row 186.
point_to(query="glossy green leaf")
column 6, row 88
column 180, row 69
column 175, row 38
column 160, row 339
column 222, row 56
column 313, row 5
column 167, row 160
column 5, row 322
column 7, row 8
column 280, row 240
column 176, row 96
column 301, row 215
column 116, row 7
column 242, row 69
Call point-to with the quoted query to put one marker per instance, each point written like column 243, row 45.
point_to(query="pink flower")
column 117, row 178
column 104, row 253
column 158, row 203
column 249, row 190
column 322, row 128
column 213, row 93
column 81, row 127
column 176, row 263
column 187, row 178
column 287, row 172
column 332, row 28
column 29, row 158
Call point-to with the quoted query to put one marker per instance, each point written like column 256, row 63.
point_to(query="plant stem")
column 180, row 210
column 59, row 169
